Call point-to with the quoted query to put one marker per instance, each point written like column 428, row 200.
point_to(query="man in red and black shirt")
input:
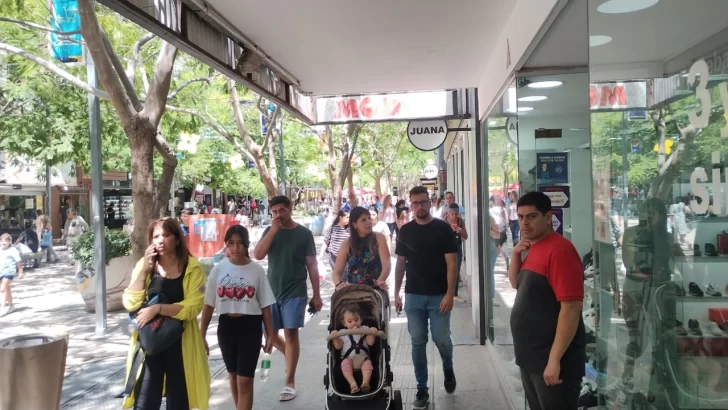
column 548, row 330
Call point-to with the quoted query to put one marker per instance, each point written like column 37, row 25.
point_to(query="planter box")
column 118, row 276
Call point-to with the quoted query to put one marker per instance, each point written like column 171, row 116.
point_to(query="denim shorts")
column 289, row 313
column 8, row 277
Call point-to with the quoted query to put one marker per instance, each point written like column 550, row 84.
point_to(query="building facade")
column 618, row 111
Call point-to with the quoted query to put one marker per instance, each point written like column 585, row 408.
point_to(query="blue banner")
column 552, row 168
column 65, row 18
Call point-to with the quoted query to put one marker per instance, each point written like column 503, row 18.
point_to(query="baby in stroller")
column 355, row 349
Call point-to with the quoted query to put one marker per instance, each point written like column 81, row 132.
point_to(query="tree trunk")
column 352, row 193
column 273, row 174
column 142, row 183
column 164, row 184
column 378, row 185
column 390, row 182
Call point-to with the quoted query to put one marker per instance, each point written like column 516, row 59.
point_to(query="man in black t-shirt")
column 426, row 252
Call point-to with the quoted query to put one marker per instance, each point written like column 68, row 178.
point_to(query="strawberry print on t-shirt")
column 238, row 289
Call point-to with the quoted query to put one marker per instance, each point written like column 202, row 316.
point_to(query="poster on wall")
column 552, row 168
column 602, row 199
column 557, row 220
column 559, row 195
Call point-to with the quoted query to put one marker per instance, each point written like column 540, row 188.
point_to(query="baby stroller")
column 374, row 305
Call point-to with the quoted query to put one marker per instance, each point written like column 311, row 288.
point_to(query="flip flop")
column 365, row 388
column 288, row 394
column 355, row 389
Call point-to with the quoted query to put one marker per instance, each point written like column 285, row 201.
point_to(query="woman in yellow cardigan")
column 180, row 372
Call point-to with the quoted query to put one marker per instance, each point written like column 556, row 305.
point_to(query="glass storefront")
column 636, row 145
column 658, row 98
column 18, row 212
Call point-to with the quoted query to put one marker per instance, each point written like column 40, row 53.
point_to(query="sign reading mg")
column 427, row 135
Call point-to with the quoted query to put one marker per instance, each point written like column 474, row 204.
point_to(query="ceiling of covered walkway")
column 345, row 47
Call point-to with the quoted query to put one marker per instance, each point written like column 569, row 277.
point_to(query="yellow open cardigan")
column 197, row 371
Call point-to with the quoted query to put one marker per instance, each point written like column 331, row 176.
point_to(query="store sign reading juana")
column 427, row 135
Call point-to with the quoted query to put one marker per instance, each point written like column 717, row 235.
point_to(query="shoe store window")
column 658, row 274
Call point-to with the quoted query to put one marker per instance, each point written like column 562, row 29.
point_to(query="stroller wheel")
column 397, row 401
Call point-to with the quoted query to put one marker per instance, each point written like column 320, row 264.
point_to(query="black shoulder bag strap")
column 138, row 357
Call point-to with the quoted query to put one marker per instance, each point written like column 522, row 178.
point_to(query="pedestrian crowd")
column 260, row 310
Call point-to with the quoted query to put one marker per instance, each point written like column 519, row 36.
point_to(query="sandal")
column 365, row 388
column 355, row 389
column 287, row 394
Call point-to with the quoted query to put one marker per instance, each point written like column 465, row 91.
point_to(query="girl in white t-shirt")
column 239, row 290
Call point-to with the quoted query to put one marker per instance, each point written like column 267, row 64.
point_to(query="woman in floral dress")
column 366, row 260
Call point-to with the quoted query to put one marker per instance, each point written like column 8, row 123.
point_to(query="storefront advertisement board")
column 557, row 220
column 552, row 168
column 559, row 195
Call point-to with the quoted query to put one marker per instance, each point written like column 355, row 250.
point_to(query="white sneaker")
column 714, row 329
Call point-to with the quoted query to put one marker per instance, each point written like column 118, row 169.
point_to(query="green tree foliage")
column 43, row 117
column 502, row 157
column 386, row 154
column 212, row 160
column 613, row 134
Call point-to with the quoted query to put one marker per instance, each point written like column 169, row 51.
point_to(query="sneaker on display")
column 694, row 328
column 714, row 329
column 679, row 289
column 710, row 250
column 712, row 291
column 696, row 250
column 694, row 290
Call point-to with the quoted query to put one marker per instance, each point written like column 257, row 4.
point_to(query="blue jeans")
column 420, row 310
column 460, row 263
column 515, row 231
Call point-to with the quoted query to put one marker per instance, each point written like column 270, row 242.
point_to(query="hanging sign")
column 430, row 171
column 427, row 135
column 512, row 129
column 66, row 48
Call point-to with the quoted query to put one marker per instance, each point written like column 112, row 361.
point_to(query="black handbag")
column 161, row 332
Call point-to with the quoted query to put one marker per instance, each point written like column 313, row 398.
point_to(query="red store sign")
column 618, row 96
column 382, row 107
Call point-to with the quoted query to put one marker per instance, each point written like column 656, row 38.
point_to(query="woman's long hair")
column 340, row 215
column 356, row 242
column 171, row 227
column 387, row 202
column 241, row 231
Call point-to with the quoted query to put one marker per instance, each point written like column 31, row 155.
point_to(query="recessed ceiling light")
column 599, row 40
column 625, row 6
column 533, row 98
column 577, row 129
column 545, row 84
column 525, row 109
